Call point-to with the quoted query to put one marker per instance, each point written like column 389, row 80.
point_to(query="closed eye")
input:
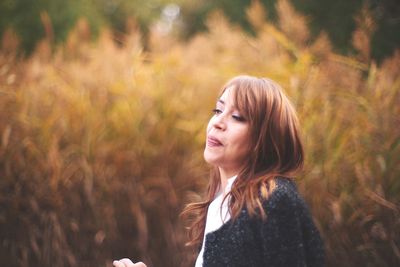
column 238, row 118
column 217, row 111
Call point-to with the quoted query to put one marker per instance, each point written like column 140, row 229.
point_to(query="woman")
column 252, row 214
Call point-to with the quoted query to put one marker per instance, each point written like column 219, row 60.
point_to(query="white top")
column 214, row 220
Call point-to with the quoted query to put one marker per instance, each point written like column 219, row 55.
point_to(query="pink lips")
column 213, row 142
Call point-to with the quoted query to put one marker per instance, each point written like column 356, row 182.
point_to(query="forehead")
column 227, row 96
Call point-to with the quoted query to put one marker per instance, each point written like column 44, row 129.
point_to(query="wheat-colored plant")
column 101, row 144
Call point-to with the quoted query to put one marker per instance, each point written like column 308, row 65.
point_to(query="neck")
column 225, row 175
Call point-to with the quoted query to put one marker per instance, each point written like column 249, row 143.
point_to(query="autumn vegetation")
column 101, row 143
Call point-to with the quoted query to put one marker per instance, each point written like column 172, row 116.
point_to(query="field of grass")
column 101, row 144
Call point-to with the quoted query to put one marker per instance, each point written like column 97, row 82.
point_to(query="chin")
column 209, row 158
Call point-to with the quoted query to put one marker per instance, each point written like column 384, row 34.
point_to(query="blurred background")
column 104, row 103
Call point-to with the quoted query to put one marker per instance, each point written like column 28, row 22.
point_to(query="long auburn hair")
column 275, row 150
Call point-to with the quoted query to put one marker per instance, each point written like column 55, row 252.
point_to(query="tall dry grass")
column 101, row 145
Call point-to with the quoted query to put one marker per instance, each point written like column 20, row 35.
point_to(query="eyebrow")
column 221, row 101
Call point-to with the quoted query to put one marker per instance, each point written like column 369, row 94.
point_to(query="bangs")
column 243, row 94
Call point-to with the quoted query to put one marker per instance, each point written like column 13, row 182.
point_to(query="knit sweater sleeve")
column 288, row 235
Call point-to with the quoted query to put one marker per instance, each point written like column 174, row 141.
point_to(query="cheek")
column 242, row 148
column 209, row 125
column 244, row 143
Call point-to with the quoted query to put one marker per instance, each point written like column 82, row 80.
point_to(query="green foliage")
column 31, row 19
column 336, row 18
column 25, row 17
column 101, row 144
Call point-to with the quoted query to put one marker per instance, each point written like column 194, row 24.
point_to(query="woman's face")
column 227, row 143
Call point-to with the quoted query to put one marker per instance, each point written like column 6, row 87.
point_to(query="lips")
column 213, row 142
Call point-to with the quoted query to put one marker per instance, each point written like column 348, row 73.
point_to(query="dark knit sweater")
column 288, row 237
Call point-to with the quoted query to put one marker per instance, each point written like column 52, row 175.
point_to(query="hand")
column 128, row 263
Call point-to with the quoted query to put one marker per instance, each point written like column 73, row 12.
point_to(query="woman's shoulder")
column 283, row 187
column 284, row 193
column 289, row 226
column 285, row 205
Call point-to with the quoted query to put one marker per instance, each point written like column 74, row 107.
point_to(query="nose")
column 218, row 122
